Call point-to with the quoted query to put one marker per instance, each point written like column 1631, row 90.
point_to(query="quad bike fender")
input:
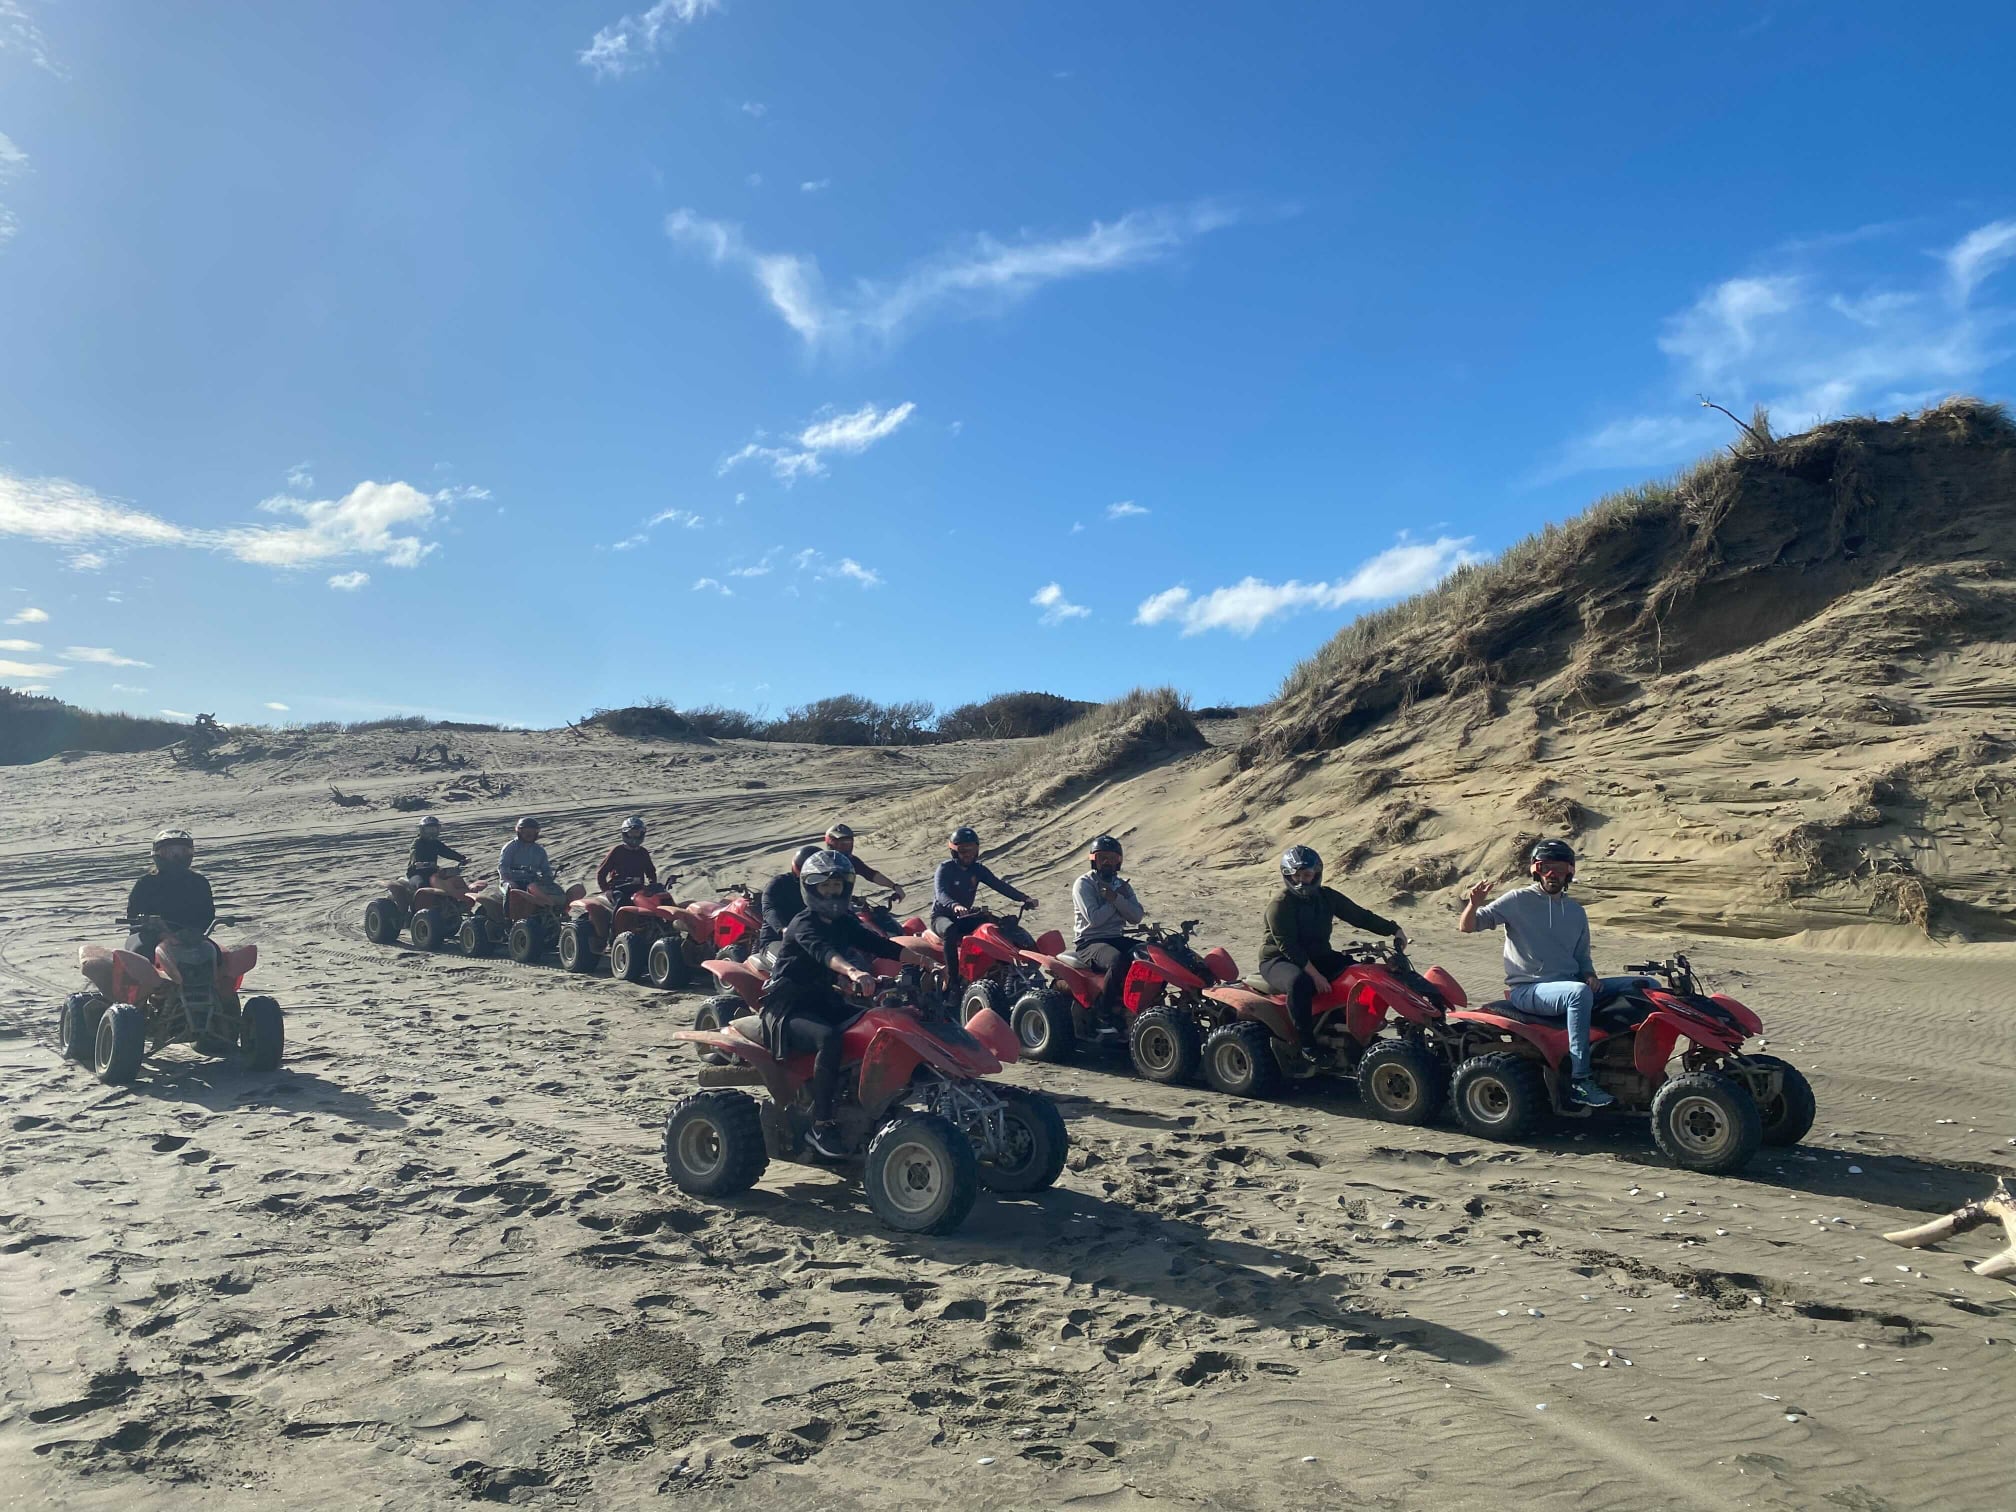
column 987, row 945
column 894, row 1053
column 1144, row 984
column 777, row 1078
column 992, row 1030
column 740, row 978
column 1077, row 981
column 1365, row 1013
column 1548, row 1043
column 234, row 964
column 1748, row 1021
column 1258, row 1007
column 134, row 976
column 1223, row 967
column 1050, row 942
column 1652, row 1045
column 95, row 961
column 1446, row 984
column 1167, row 967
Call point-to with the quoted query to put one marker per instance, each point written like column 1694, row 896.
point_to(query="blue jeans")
column 1573, row 1001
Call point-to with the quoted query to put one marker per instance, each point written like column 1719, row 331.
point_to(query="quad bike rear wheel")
column 1165, row 1046
column 1499, row 1096
column 1036, row 1145
column 714, row 1144
column 736, row 952
column 1402, row 1082
column 716, row 1014
column 383, row 919
column 1043, row 1024
column 979, row 995
column 628, row 956
column 119, row 1045
column 577, row 946
column 1239, row 1060
column 77, row 1025
column 262, row 1034
column 665, row 963
column 1788, row 1116
column 430, row 930
column 526, row 942
column 475, row 937
column 921, row 1174
column 1704, row 1121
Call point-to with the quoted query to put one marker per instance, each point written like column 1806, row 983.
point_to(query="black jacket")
column 811, row 942
column 783, row 901
column 427, row 853
column 181, row 898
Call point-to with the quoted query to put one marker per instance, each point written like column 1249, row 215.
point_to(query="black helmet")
column 828, row 877
column 804, row 852
column 1104, row 843
column 528, row 822
column 1552, row 850
column 430, row 824
column 964, row 835
column 839, row 831
column 1301, row 858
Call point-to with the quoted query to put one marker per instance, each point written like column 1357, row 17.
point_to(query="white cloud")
column 716, row 584
column 1810, row 345
column 29, row 669
column 29, row 616
column 1127, row 509
column 754, row 180
column 1250, row 603
column 349, row 582
column 33, row 688
column 985, row 275
column 1056, row 608
column 815, row 186
column 681, row 517
column 850, row 434
column 382, row 520
column 627, row 45
column 811, row 559
column 755, row 108
column 1077, row 528
column 177, row 714
column 12, row 161
column 278, row 708
column 757, row 569
column 126, row 688
column 100, row 656
column 300, row 476
column 20, row 645
column 1979, row 253
column 18, row 33
column 87, row 561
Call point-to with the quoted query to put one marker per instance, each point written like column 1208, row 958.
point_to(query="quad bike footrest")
column 730, row 1076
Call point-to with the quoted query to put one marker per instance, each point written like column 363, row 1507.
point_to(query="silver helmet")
column 1299, row 858
column 827, row 878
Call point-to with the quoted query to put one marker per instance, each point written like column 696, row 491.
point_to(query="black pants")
column 1283, row 975
column 952, row 931
column 1112, row 957
column 811, row 1022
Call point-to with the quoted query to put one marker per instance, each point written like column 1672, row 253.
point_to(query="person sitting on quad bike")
column 427, row 853
column 523, row 864
column 628, row 869
column 172, row 893
column 1102, row 906
column 783, row 900
column 802, row 1010
column 840, row 838
column 1295, row 956
column 1547, row 965
column 953, row 914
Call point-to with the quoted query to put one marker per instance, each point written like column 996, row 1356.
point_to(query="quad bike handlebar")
column 1678, row 972
column 740, row 890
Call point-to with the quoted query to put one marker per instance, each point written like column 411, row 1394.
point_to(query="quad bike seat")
column 750, row 1027
column 401, row 891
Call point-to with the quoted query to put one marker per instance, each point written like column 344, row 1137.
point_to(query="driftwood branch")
column 1999, row 1206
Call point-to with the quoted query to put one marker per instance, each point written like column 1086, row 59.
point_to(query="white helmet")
column 633, row 830
column 174, row 847
column 827, row 878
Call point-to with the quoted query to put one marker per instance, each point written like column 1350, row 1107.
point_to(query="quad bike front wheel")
column 1402, row 1082
column 716, row 1014
column 979, row 995
column 1165, row 1046
column 430, row 930
column 1787, row 1116
column 921, row 1174
column 714, row 1144
column 628, row 956
column 119, row 1045
column 526, row 942
column 665, row 963
column 77, row 1025
column 577, row 946
column 1239, row 1060
column 736, row 952
column 1704, row 1121
column 475, row 937
column 1037, row 1142
column 1043, row 1024
column 262, row 1034
column 383, row 919
column 1499, row 1096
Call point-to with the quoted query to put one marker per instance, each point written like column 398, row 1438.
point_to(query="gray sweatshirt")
column 1094, row 918
column 1546, row 938
column 523, row 861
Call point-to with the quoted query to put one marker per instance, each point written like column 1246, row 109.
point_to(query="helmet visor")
column 1304, row 876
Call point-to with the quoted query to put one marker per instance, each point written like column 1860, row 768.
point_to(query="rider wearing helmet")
column 523, row 862
column 179, row 897
column 957, row 884
column 802, row 1010
column 841, row 838
column 1295, row 957
column 1547, row 966
column 1102, row 906
column 783, row 899
column 427, row 853
column 628, row 868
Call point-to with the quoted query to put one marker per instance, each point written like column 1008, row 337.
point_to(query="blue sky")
column 505, row 360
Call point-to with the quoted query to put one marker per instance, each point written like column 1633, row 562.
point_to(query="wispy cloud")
column 127, row 688
column 803, row 455
column 29, row 669
column 178, row 714
column 681, row 517
column 1056, row 608
column 1812, row 344
column 985, row 275
column 755, row 108
column 87, row 561
column 20, row 645
column 19, row 33
column 349, row 582
column 811, row 560
column 277, row 708
column 815, row 186
column 13, row 161
column 385, row 521
column 1250, row 603
column 716, row 584
column 632, row 43
column 29, row 616
column 756, row 569
column 101, row 656
column 1127, row 509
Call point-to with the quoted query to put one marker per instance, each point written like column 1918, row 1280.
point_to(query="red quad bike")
column 913, row 1098
column 187, row 994
column 433, row 913
column 696, row 933
column 1381, row 1022
column 596, row 928
column 1165, row 1016
column 996, row 971
column 526, row 924
column 740, row 981
column 1710, row 1115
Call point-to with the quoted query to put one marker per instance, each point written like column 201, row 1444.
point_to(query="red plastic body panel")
column 1223, row 967
column 740, row 978
column 1168, row 968
column 1076, row 980
column 1448, row 986
column 1050, row 942
column 1260, row 1007
column 1743, row 1016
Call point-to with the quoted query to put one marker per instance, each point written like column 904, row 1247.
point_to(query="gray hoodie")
column 1096, row 919
column 523, row 862
column 1546, row 937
